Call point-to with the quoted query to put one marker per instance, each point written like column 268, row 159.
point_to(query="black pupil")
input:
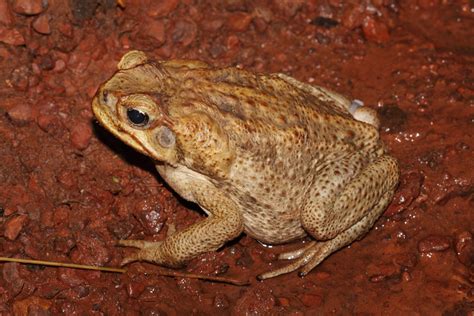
column 137, row 117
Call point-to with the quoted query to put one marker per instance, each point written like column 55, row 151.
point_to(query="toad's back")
column 283, row 132
column 262, row 107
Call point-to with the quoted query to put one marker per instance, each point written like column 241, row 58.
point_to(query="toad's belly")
column 271, row 229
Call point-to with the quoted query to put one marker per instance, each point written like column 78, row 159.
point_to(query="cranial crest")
column 132, row 59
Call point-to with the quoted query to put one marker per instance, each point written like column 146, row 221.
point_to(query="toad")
column 262, row 154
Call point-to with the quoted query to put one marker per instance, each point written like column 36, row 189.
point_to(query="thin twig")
column 118, row 270
column 61, row 264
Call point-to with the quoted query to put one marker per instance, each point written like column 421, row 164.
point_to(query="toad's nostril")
column 105, row 96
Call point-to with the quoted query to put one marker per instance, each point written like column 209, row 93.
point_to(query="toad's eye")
column 137, row 117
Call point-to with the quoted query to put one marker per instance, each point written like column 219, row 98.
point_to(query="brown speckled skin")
column 262, row 154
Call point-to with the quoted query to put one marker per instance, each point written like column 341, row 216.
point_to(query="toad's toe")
column 295, row 254
column 306, row 259
column 147, row 250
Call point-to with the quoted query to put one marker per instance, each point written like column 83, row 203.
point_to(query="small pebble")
column 46, row 121
column 212, row 25
column 260, row 24
column 283, row 301
column 46, row 62
column 11, row 36
column 33, row 81
column 464, row 246
column 352, row 16
column 33, row 306
column 232, row 42
column 156, row 30
column 70, row 277
column 375, row 31
column 161, row 8
column 289, row 7
column 19, row 78
column 81, row 134
column 462, row 240
column 60, row 215
column 11, row 276
column 405, row 260
column 311, row 300
column 239, row 21
column 184, row 32
column 67, row 179
column 21, row 113
column 36, row 69
column 46, row 218
column 434, row 243
column 409, row 189
column 28, row 7
column 14, row 226
column 150, row 216
column 66, row 29
column 41, row 24
column 321, row 275
column 216, row 50
column 79, row 62
column 406, row 276
column 59, row 65
column 6, row 17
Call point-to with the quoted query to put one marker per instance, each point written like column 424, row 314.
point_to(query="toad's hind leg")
column 344, row 211
column 316, row 252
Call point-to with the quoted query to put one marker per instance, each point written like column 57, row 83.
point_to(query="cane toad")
column 262, row 154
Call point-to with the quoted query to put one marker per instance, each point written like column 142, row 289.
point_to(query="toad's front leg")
column 223, row 224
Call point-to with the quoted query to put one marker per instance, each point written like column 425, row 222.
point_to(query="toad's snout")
column 104, row 104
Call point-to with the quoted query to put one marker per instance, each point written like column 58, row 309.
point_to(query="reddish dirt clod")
column 375, row 30
column 11, row 36
column 14, row 226
column 6, row 17
column 239, row 21
column 81, row 135
column 21, row 113
column 434, row 244
column 41, row 24
column 28, row 7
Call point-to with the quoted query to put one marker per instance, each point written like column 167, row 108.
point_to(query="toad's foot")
column 306, row 258
column 295, row 254
column 147, row 250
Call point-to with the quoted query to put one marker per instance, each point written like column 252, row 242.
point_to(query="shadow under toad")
column 137, row 159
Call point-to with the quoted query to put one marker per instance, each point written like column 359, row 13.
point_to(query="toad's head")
column 132, row 105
